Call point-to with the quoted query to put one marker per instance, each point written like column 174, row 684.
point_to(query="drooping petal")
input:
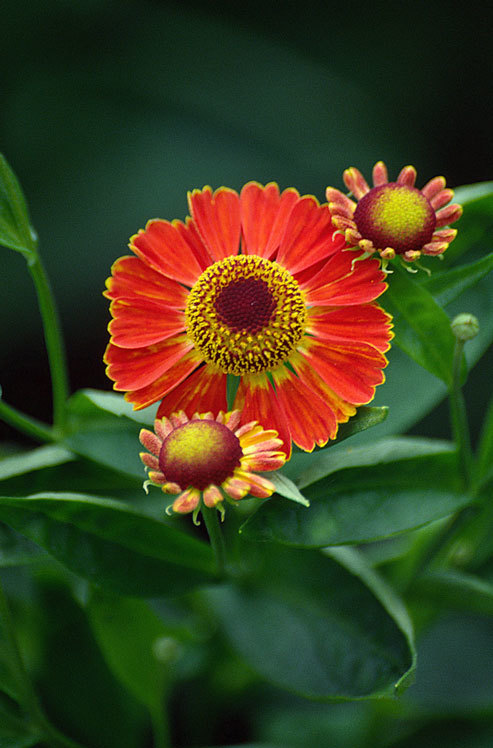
column 258, row 402
column 132, row 278
column 310, row 420
column 140, row 322
column 158, row 388
column 187, row 501
column 351, row 369
column 365, row 323
column 204, row 389
column 162, row 246
column 217, row 218
column 308, row 237
column 132, row 369
column 264, row 215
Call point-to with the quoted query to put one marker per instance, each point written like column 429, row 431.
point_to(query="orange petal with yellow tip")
column 341, row 408
column 187, row 501
column 133, row 279
column 217, row 218
column 308, row 236
column 355, row 182
column 203, row 390
column 157, row 389
column 139, row 323
column 264, row 215
column 366, row 323
column 132, row 369
column 212, row 496
column 152, row 442
column 339, row 285
column 163, row 247
column 310, row 420
column 351, row 369
column 258, row 402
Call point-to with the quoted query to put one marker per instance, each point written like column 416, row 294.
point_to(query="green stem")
column 160, row 728
column 27, row 694
column 458, row 417
column 27, row 425
column 213, row 527
column 53, row 338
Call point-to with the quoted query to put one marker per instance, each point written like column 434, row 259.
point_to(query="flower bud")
column 465, row 326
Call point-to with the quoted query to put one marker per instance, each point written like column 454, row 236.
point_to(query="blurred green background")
column 110, row 111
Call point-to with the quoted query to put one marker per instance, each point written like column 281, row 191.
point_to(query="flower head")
column 210, row 458
column 394, row 218
column 255, row 287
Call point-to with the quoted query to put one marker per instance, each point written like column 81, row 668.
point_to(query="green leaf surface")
column 127, row 630
column 108, row 543
column 85, row 401
column 485, row 449
column 15, row 231
column 285, row 487
column 475, row 226
column 446, row 287
column 35, row 459
column 298, row 629
column 421, row 327
column 455, row 589
column 16, row 549
column 365, row 503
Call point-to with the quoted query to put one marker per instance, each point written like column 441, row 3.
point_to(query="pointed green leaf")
column 35, row 459
column 448, row 286
column 127, row 631
column 362, row 504
column 108, row 543
column 286, row 488
column 15, row 230
column 298, row 627
column 421, row 327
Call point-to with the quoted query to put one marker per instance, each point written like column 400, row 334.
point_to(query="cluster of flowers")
column 257, row 292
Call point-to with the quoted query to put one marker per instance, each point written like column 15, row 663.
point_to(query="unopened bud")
column 465, row 326
column 166, row 649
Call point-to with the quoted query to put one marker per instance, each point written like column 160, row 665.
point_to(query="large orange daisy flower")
column 254, row 287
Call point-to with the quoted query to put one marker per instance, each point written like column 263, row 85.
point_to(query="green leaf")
column 286, row 488
column 108, row 543
column 446, row 287
column 127, row 631
column 474, row 228
column 88, row 401
column 15, row 549
column 485, row 449
column 365, row 503
column 15, row 230
column 459, row 590
column 421, row 327
column 316, row 628
column 36, row 459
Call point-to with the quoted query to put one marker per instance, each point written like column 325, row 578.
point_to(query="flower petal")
column 351, row 369
column 341, row 408
column 308, row 237
column 203, row 390
column 133, row 369
column 367, row 323
column 162, row 246
column 217, row 218
column 258, row 402
column 337, row 285
column 264, row 215
column 310, row 420
column 158, row 388
column 140, row 322
column 133, row 278
column 187, row 501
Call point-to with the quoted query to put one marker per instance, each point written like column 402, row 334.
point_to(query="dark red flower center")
column 245, row 305
column 200, row 453
column 395, row 215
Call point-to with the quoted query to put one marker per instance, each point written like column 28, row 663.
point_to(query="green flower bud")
column 465, row 326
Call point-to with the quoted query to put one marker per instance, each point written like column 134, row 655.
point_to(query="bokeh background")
column 110, row 111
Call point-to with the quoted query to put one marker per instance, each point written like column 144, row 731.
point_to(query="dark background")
column 110, row 111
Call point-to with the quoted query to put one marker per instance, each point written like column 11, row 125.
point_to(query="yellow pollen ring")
column 245, row 314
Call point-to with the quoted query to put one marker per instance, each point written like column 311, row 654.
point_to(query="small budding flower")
column 394, row 218
column 465, row 326
column 206, row 458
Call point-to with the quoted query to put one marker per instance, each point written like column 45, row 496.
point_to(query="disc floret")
column 394, row 218
column 209, row 459
column 245, row 314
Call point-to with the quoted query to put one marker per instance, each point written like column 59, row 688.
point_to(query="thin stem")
column 27, row 425
column 53, row 338
column 27, row 694
column 458, row 417
column 213, row 527
column 160, row 728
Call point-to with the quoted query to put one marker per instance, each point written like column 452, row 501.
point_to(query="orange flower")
column 209, row 458
column 394, row 218
column 288, row 316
